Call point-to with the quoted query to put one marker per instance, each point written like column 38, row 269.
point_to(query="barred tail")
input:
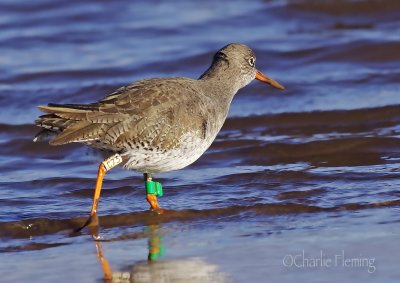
column 69, row 123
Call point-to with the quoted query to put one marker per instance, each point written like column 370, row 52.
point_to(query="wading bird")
column 155, row 125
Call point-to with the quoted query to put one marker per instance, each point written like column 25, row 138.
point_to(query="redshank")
column 155, row 125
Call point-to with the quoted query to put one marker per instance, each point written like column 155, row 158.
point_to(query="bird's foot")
column 158, row 210
column 152, row 200
column 93, row 220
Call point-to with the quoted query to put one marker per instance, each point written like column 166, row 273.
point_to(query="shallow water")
column 295, row 176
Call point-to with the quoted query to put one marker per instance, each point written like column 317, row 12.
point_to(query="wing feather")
column 154, row 111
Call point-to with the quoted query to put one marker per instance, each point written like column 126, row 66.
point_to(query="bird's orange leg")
column 152, row 200
column 153, row 189
column 99, row 183
column 104, row 167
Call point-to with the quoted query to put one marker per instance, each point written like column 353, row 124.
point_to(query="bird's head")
column 239, row 61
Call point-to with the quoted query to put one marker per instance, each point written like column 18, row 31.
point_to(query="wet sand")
column 321, row 247
column 300, row 186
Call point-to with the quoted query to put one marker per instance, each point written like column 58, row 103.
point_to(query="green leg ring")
column 154, row 188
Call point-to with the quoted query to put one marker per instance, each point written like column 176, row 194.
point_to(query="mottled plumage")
column 155, row 125
column 159, row 124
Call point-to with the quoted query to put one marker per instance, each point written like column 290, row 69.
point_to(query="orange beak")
column 261, row 77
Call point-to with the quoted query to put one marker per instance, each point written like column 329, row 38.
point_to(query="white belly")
column 155, row 161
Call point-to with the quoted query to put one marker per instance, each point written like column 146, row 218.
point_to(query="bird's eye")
column 252, row 61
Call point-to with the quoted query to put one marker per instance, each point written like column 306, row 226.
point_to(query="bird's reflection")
column 94, row 231
column 156, row 269
column 155, row 243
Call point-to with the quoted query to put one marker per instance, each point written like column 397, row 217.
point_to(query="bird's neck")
column 219, row 84
column 218, row 81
